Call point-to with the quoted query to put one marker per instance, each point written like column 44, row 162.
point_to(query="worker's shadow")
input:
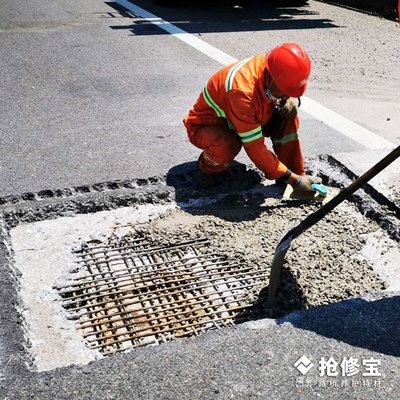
column 238, row 196
column 372, row 325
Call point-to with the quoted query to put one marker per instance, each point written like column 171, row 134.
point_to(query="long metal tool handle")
column 312, row 219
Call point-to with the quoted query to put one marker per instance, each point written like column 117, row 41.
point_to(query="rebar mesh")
column 136, row 293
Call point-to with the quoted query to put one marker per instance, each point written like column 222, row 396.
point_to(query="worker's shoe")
column 204, row 180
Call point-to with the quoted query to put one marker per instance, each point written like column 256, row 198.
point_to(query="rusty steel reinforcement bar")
column 312, row 219
column 200, row 297
column 172, row 291
column 100, row 334
column 96, row 249
column 226, row 322
column 134, row 293
column 104, row 288
column 118, row 277
column 155, row 314
column 137, row 243
column 134, row 267
column 191, row 325
column 156, row 293
column 154, row 281
column 183, row 304
column 145, row 252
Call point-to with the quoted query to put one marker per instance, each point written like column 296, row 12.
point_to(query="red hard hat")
column 290, row 67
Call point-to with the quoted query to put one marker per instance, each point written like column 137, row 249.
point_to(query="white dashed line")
column 348, row 128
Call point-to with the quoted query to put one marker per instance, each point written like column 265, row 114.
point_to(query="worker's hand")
column 303, row 185
column 289, row 109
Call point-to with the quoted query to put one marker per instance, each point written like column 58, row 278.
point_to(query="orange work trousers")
column 221, row 145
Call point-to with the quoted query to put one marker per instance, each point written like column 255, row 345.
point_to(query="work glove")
column 303, row 185
column 288, row 109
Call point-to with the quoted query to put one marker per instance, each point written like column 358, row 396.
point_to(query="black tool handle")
column 313, row 218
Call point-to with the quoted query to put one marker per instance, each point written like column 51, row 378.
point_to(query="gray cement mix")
column 324, row 265
column 336, row 260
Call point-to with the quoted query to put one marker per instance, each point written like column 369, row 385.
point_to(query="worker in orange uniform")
column 246, row 101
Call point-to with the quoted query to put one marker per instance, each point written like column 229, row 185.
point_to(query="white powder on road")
column 43, row 255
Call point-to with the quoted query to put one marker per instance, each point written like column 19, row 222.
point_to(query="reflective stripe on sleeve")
column 285, row 139
column 252, row 135
column 232, row 72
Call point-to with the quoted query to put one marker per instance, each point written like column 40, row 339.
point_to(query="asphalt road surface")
column 93, row 91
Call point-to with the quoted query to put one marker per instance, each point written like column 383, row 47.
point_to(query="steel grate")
column 135, row 293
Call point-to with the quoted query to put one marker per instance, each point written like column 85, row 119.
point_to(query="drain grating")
column 135, row 293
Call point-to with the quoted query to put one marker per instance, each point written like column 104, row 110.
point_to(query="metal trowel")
column 322, row 193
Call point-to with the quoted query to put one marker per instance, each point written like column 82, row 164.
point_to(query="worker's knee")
column 228, row 143
column 220, row 143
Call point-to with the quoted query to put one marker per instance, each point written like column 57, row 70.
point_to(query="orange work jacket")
column 235, row 96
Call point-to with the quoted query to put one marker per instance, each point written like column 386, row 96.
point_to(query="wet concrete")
column 324, row 265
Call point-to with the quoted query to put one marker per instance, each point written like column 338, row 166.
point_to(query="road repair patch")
column 98, row 283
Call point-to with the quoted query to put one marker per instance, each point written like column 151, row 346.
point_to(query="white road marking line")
column 198, row 44
column 348, row 128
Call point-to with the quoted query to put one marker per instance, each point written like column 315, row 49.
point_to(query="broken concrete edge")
column 14, row 344
column 184, row 174
column 179, row 187
column 164, row 188
column 189, row 365
column 76, row 191
column 386, row 8
column 371, row 203
column 14, row 354
column 296, row 320
column 368, row 188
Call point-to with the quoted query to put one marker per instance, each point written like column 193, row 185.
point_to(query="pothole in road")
column 96, row 284
column 133, row 292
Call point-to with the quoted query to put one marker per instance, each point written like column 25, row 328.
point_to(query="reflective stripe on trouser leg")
column 211, row 162
column 209, row 166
